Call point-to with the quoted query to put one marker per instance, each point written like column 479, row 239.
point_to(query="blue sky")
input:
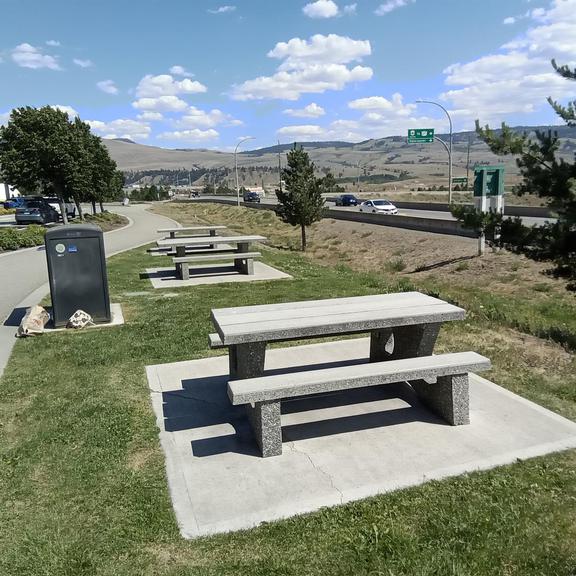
column 205, row 74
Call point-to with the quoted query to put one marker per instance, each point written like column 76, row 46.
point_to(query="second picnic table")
column 241, row 254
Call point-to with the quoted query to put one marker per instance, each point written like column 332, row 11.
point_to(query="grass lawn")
column 82, row 482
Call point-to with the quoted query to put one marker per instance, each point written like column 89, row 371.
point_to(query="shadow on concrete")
column 15, row 317
column 195, row 272
column 203, row 403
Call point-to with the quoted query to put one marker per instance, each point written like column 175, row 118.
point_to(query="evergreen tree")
column 548, row 176
column 300, row 201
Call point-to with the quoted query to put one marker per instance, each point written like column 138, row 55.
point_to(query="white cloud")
column 321, row 9
column 121, row 128
column 194, row 135
column 222, row 10
column 181, row 71
column 391, row 5
column 4, row 117
column 72, row 113
column 310, row 111
column 309, row 66
column 196, row 118
column 107, row 86
column 83, row 63
column 164, row 85
column 28, row 56
column 380, row 104
column 150, row 116
column 320, row 49
column 350, row 8
column 509, row 20
column 303, row 132
column 161, row 104
column 52, row 43
column 518, row 78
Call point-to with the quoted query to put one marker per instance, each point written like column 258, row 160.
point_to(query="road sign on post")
column 460, row 180
column 420, row 135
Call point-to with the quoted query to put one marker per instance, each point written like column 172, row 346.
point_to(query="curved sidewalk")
column 24, row 277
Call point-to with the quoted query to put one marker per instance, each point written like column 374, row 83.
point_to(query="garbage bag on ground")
column 33, row 322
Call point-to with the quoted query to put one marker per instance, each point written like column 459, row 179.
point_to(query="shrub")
column 12, row 239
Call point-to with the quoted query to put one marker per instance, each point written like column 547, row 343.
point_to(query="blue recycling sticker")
column 72, row 248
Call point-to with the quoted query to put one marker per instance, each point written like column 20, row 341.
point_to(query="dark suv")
column 36, row 211
column 347, row 200
column 251, row 197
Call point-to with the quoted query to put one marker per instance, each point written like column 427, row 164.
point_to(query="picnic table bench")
column 241, row 255
column 403, row 330
column 209, row 228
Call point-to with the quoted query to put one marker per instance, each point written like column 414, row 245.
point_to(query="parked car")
column 15, row 202
column 378, row 207
column 55, row 203
column 346, row 200
column 251, row 197
column 36, row 211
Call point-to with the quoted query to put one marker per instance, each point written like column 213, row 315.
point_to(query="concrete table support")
column 264, row 418
column 244, row 266
column 247, row 360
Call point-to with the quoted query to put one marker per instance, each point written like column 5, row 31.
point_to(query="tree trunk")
column 79, row 208
column 94, row 207
column 101, row 206
column 63, row 213
column 303, row 233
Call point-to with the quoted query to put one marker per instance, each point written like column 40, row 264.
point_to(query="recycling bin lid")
column 74, row 231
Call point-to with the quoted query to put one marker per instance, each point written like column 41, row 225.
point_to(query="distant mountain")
column 382, row 158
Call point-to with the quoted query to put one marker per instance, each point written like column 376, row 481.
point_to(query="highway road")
column 24, row 278
column 437, row 215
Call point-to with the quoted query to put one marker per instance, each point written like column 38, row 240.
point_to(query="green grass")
column 82, row 482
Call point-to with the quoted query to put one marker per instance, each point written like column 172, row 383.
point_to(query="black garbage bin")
column 77, row 272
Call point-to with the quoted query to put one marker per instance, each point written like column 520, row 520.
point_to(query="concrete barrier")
column 431, row 225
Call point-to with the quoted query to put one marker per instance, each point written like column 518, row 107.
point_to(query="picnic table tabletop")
column 312, row 318
column 202, row 240
column 190, row 228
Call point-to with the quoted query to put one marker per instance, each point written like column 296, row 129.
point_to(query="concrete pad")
column 115, row 312
column 212, row 274
column 336, row 447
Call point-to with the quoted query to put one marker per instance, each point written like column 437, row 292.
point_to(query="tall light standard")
column 236, row 167
column 449, row 146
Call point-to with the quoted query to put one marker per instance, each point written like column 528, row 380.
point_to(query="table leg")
column 247, row 360
column 403, row 342
column 244, row 266
column 172, row 234
column 180, row 253
column 266, row 425
column 212, row 233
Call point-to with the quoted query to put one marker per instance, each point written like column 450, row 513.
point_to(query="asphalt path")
column 24, row 277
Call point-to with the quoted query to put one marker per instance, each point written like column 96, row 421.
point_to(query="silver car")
column 378, row 207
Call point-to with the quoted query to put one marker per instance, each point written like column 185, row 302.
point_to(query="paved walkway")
column 24, row 273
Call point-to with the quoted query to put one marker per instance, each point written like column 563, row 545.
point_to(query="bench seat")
column 215, row 341
column 245, row 259
column 448, row 396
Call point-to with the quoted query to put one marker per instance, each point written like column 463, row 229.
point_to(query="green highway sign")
column 420, row 135
column 463, row 180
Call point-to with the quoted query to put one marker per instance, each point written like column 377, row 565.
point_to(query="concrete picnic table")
column 206, row 228
column 401, row 325
column 242, row 244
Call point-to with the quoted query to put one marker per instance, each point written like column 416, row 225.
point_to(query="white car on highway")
column 378, row 207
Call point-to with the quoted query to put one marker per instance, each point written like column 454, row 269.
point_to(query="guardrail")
column 431, row 225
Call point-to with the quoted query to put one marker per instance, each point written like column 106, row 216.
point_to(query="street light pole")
column 236, row 167
column 449, row 146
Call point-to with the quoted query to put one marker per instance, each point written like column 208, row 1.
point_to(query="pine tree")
column 300, row 202
column 546, row 175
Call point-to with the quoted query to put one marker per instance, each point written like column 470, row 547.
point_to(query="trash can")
column 77, row 272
